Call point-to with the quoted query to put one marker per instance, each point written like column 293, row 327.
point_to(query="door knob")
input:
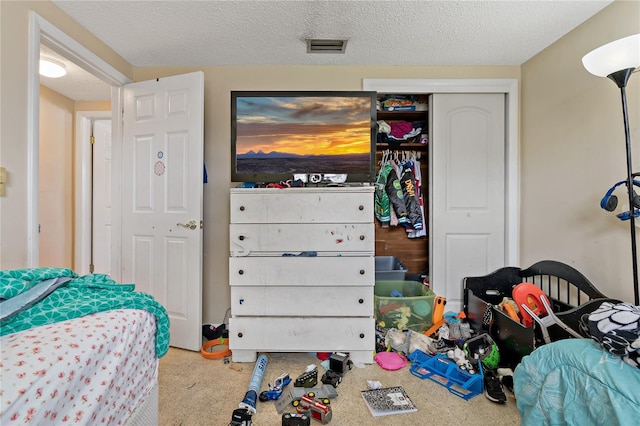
column 190, row 225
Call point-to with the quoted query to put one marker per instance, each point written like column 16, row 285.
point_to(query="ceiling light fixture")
column 617, row 61
column 51, row 68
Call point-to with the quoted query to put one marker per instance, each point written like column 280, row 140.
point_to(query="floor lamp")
column 616, row 61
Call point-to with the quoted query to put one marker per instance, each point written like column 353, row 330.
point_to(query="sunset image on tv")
column 303, row 134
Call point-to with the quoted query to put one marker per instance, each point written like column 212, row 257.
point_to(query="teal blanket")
column 576, row 382
column 77, row 297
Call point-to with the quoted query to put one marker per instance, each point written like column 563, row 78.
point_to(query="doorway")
column 42, row 31
column 93, row 200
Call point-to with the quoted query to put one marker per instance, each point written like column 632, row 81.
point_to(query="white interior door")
column 101, row 197
column 162, row 194
column 467, row 178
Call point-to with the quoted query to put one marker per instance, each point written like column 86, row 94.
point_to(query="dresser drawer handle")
column 241, row 271
column 241, row 237
column 240, row 335
column 360, row 207
column 361, row 301
column 361, row 237
column 241, row 208
column 362, row 335
column 361, row 271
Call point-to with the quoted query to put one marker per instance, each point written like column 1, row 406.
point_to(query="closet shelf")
column 415, row 146
column 402, row 115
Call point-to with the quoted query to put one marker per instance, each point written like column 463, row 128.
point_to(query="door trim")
column 41, row 30
column 510, row 88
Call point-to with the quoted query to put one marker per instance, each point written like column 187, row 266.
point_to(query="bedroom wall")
column 573, row 151
column 566, row 115
column 14, row 126
column 219, row 82
column 56, row 179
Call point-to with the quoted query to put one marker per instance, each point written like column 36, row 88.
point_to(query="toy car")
column 275, row 391
column 292, row 396
column 295, row 419
column 324, row 392
column 332, row 378
column 312, row 407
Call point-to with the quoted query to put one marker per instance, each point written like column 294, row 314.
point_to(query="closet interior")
column 402, row 207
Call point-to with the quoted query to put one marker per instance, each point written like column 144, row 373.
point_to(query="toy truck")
column 293, row 395
column 314, row 408
column 275, row 391
column 308, row 379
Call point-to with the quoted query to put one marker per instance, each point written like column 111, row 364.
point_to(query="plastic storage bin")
column 403, row 305
column 390, row 268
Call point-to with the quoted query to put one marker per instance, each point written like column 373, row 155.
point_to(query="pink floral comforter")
column 90, row 370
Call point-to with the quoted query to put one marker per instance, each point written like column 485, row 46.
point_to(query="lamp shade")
column 51, row 68
column 618, row 55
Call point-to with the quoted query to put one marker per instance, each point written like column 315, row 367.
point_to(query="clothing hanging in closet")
column 398, row 194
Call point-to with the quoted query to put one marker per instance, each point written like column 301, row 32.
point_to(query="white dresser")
column 284, row 299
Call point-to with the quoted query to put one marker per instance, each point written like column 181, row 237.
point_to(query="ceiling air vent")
column 316, row 45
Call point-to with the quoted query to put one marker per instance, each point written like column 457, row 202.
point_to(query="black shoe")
column 507, row 382
column 493, row 388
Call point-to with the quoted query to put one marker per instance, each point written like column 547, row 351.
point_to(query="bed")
column 576, row 382
column 85, row 352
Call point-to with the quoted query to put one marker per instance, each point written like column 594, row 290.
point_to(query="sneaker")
column 507, row 382
column 493, row 388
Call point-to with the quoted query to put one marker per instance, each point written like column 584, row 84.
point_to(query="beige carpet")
column 197, row 391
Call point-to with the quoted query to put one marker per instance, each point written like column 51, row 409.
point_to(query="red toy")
column 531, row 296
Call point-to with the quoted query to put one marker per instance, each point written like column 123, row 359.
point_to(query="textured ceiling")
column 78, row 84
column 387, row 32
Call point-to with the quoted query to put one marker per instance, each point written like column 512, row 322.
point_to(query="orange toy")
column 508, row 309
column 438, row 324
column 438, row 309
column 529, row 295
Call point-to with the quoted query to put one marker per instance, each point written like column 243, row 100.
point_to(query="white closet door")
column 467, row 183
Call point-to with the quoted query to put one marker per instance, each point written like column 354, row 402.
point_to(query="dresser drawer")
column 302, row 205
column 302, row 301
column 302, row 271
column 302, row 334
column 270, row 239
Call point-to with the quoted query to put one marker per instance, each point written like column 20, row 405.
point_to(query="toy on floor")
column 308, row 379
column 275, row 391
column 312, row 407
column 390, row 360
column 461, row 360
column 483, row 349
column 247, row 408
column 295, row 419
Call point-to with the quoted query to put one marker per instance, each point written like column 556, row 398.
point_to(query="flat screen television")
column 277, row 134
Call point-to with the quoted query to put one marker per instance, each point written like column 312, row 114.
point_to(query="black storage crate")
column 571, row 294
